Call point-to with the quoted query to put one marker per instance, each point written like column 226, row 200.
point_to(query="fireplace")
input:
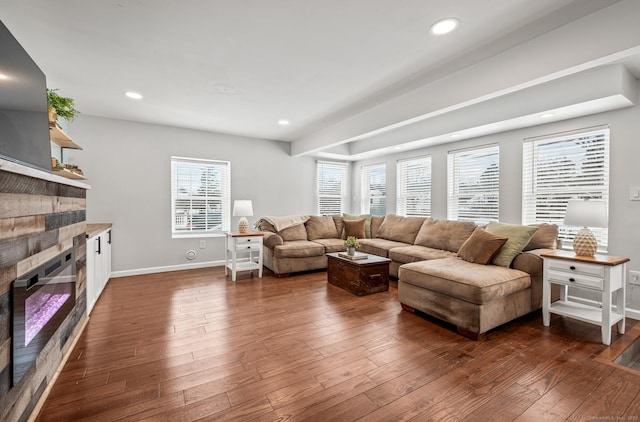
column 41, row 300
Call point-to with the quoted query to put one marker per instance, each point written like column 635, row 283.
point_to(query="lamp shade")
column 586, row 213
column 242, row 208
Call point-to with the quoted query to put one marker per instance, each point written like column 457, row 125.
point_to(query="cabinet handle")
column 572, row 280
column 248, row 247
column 99, row 245
column 572, row 268
column 109, row 241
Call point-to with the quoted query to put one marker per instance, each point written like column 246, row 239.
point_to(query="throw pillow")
column 518, row 237
column 545, row 238
column 481, row 246
column 367, row 223
column 321, row 227
column 355, row 228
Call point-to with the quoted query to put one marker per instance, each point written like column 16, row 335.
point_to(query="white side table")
column 604, row 274
column 249, row 247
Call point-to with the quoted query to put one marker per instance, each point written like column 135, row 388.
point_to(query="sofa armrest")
column 271, row 240
column 530, row 261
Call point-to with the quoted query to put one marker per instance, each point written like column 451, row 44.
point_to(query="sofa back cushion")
column 321, row 227
column 545, row 238
column 376, row 222
column 339, row 222
column 297, row 232
column 444, row 234
column 399, row 229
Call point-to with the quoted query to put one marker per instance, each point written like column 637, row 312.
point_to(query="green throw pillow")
column 519, row 237
column 367, row 221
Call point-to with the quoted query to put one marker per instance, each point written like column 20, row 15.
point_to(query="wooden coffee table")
column 359, row 276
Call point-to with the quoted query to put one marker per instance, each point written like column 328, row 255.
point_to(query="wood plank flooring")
column 192, row 345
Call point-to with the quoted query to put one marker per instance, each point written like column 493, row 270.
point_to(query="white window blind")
column 414, row 187
column 566, row 166
column 200, row 196
column 331, row 187
column 473, row 184
column 374, row 189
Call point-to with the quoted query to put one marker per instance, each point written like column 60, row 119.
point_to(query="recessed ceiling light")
column 444, row 26
column 133, row 95
column 283, row 122
column 547, row 115
column 3, row 76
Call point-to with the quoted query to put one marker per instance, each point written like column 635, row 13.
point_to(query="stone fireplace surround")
column 41, row 215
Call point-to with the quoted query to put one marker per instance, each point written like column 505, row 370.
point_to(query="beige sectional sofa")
column 424, row 257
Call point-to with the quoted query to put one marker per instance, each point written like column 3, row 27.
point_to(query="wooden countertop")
column 94, row 229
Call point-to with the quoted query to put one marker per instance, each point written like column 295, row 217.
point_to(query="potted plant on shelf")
column 351, row 244
column 60, row 106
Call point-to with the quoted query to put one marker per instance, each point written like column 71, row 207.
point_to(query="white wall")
column 128, row 167
column 624, row 215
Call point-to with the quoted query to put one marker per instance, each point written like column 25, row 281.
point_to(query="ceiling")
column 238, row 67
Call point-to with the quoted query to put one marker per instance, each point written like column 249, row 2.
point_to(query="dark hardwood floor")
column 192, row 345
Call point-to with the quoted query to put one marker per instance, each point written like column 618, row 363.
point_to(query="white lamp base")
column 585, row 243
column 243, row 225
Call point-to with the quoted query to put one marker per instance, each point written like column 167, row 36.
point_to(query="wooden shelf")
column 68, row 174
column 57, row 135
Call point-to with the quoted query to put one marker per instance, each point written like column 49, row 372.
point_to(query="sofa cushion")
column 481, row 246
column 297, row 232
column 414, row 253
column 379, row 247
column 339, row 222
column 355, row 228
column 332, row 245
column 400, row 229
column 464, row 280
column 518, row 237
column 376, row 222
column 321, row 227
column 367, row 224
column 298, row 249
column 444, row 234
column 546, row 237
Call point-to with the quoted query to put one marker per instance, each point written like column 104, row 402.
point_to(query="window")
column 200, row 191
column 414, row 187
column 473, row 184
column 331, row 187
column 557, row 168
column 374, row 189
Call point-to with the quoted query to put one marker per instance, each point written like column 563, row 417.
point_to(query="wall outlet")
column 203, row 244
column 634, row 277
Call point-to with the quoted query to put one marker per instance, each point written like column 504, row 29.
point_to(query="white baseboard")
column 151, row 270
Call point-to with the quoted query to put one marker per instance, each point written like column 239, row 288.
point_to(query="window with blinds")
column 413, row 198
column 200, row 196
column 331, row 187
column 473, row 184
column 572, row 165
column 374, row 189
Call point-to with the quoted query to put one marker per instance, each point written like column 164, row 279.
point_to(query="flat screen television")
column 24, row 127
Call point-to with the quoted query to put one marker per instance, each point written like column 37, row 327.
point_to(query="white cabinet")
column 243, row 252
column 603, row 274
column 98, row 262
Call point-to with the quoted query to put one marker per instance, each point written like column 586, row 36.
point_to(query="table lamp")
column 586, row 213
column 243, row 208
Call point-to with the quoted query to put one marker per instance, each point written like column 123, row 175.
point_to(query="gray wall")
column 128, row 167
column 624, row 215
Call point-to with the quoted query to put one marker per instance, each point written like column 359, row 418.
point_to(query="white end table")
column 249, row 246
column 604, row 274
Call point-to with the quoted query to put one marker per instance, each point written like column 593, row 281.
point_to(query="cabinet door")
column 92, row 279
column 106, row 257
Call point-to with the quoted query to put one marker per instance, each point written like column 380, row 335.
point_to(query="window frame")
column 455, row 173
column 198, row 164
column 405, row 192
column 365, row 172
column 557, row 184
column 321, row 167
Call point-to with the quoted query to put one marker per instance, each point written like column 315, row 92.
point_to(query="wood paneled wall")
column 39, row 219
